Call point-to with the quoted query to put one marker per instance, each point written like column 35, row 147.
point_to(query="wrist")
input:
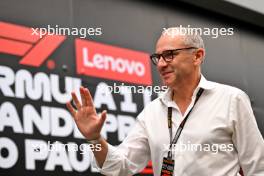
column 94, row 141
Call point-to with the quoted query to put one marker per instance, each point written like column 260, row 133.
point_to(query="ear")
column 199, row 56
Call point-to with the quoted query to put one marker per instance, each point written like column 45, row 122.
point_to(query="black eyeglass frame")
column 156, row 57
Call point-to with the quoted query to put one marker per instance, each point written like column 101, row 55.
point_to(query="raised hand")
column 85, row 116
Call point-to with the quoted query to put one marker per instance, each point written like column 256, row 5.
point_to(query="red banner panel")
column 110, row 62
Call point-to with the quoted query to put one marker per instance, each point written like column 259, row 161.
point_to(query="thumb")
column 103, row 117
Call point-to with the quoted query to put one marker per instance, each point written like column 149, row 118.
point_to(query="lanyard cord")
column 180, row 128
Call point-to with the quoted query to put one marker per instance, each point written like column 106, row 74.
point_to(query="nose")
column 162, row 63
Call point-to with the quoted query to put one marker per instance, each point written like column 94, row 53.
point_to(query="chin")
column 168, row 82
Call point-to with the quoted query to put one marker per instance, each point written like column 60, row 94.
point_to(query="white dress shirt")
column 222, row 122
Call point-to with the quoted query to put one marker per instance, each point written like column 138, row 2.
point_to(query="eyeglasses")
column 167, row 55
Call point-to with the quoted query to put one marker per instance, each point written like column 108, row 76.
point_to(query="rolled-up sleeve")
column 246, row 136
column 131, row 156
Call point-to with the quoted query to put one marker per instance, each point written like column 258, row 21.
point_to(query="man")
column 214, row 122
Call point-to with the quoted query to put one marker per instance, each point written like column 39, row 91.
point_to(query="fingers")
column 76, row 101
column 84, row 99
column 88, row 97
column 71, row 109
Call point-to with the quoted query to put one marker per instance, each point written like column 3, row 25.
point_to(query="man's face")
column 180, row 66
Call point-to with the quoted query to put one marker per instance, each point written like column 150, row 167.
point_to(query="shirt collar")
column 203, row 83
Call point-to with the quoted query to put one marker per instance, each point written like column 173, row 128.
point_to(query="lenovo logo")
column 18, row 40
column 105, row 61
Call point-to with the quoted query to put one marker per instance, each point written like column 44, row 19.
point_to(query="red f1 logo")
column 19, row 41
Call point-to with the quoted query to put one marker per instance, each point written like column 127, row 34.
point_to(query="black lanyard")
column 179, row 130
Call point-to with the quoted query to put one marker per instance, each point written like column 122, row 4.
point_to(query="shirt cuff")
column 109, row 157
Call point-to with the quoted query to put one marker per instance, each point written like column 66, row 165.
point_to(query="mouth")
column 166, row 74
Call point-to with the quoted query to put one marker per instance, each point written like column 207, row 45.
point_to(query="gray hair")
column 191, row 37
